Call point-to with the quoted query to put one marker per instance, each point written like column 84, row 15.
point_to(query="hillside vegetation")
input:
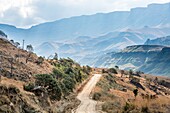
column 32, row 84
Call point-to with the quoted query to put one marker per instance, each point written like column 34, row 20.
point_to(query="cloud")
column 24, row 13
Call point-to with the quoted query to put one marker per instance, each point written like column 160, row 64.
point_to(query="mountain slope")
column 159, row 64
column 130, row 57
column 151, row 59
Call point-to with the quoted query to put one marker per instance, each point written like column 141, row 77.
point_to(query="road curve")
column 88, row 105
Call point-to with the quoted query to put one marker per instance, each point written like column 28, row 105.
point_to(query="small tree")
column 12, row 41
column 135, row 92
column 30, row 49
column 40, row 60
column 117, row 67
column 122, row 73
column 113, row 70
column 130, row 72
column 17, row 44
column 55, row 56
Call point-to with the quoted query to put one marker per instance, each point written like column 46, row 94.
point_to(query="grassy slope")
column 115, row 94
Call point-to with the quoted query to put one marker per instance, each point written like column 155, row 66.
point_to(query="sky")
column 25, row 13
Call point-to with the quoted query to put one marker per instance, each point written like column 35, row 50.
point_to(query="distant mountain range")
column 154, row 15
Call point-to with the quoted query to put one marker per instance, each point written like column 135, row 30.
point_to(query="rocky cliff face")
column 131, row 56
column 151, row 59
column 165, row 41
column 159, row 64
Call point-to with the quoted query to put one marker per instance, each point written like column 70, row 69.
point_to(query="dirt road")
column 88, row 105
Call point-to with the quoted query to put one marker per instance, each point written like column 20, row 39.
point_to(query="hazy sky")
column 24, row 13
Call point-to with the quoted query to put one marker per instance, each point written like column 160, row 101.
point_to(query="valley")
column 63, row 86
column 114, row 62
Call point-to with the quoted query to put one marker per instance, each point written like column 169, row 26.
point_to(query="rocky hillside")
column 32, row 84
column 151, row 59
column 130, row 57
column 13, row 62
column 159, row 64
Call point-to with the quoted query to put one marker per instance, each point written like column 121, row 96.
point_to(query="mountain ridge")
column 93, row 25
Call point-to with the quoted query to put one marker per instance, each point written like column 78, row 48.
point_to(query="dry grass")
column 21, row 69
column 159, row 104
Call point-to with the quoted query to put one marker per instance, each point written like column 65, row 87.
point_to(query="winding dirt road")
column 88, row 105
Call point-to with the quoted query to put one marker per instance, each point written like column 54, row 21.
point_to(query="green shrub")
column 63, row 88
column 50, row 85
column 113, row 70
column 111, row 107
column 96, row 96
column 145, row 110
column 128, row 107
column 57, row 73
column 29, row 87
column 131, row 72
column 40, row 60
column 135, row 91
column 69, row 83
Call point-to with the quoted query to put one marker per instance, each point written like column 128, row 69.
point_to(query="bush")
column 65, row 91
column 113, row 70
column 135, row 91
column 29, row 87
column 128, row 107
column 40, row 60
column 111, row 107
column 57, row 73
column 50, row 85
column 145, row 110
column 96, row 96
column 69, row 83
column 130, row 72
